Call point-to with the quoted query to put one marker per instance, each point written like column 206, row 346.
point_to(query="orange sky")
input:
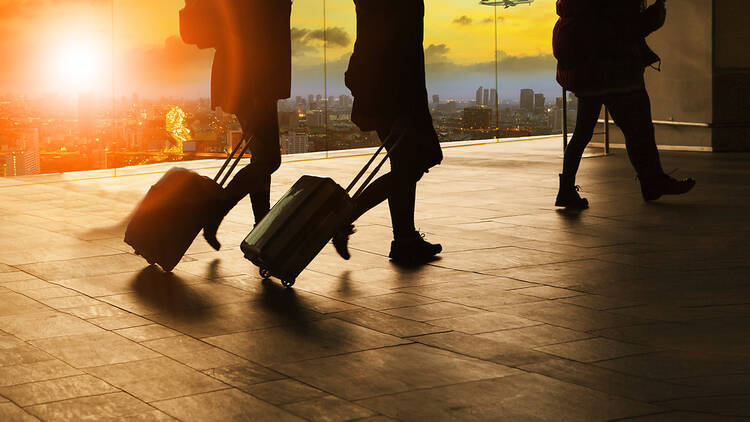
column 38, row 35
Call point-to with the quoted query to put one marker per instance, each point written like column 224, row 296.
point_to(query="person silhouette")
column 251, row 72
column 602, row 54
column 386, row 76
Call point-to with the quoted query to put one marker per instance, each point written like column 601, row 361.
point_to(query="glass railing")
column 110, row 85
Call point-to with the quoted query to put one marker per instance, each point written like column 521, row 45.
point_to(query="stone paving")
column 626, row 311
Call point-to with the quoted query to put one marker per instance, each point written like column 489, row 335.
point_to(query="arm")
column 653, row 17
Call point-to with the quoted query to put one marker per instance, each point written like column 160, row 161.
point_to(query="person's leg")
column 260, row 121
column 586, row 119
column 632, row 113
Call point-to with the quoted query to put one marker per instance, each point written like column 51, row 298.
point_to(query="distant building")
column 316, row 118
column 435, row 101
column 477, row 117
column 486, row 97
column 22, row 163
column 527, row 100
column 86, row 117
column 479, row 95
column 310, row 100
column 493, row 98
column 294, row 143
column 539, row 104
column 449, row 107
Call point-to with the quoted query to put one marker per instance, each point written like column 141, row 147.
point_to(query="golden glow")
column 177, row 127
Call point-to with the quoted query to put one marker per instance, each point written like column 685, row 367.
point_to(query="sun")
column 78, row 66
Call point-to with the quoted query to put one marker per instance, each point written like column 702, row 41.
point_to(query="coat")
column 588, row 31
column 254, row 59
column 386, row 76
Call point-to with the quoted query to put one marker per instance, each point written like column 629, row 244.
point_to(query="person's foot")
column 653, row 189
column 568, row 197
column 211, row 226
column 341, row 240
column 414, row 250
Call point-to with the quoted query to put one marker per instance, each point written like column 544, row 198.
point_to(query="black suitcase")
column 300, row 224
column 173, row 212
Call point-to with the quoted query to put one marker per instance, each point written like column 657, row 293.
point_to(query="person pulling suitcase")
column 251, row 72
column 387, row 78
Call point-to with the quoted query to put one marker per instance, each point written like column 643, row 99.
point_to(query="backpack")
column 201, row 23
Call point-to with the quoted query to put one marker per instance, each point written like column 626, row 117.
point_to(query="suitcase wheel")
column 265, row 273
column 288, row 283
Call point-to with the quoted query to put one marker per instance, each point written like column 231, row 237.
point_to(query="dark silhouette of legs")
column 260, row 120
column 588, row 114
column 399, row 187
column 632, row 113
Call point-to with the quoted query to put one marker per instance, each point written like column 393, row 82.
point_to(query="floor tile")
column 225, row 405
column 156, row 379
column 88, row 350
column 390, row 370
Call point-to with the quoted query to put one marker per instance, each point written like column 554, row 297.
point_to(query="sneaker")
column 341, row 240
column 665, row 185
column 413, row 250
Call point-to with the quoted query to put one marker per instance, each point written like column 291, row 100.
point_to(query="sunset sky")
column 65, row 46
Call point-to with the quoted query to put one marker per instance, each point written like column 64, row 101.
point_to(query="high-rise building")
column 486, row 97
column 493, row 98
column 435, row 101
column 294, row 143
column 479, row 95
column 331, row 101
column 318, row 98
column 539, row 104
column 477, row 117
column 527, row 100
column 310, row 100
column 86, row 117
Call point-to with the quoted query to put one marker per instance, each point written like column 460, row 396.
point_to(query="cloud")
column 489, row 20
column 436, row 53
column 305, row 41
column 463, row 20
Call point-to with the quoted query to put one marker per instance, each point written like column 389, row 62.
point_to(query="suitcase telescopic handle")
column 378, row 167
column 245, row 144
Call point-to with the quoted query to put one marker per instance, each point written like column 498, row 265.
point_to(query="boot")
column 652, row 188
column 567, row 195
column 341, row 240
column 413, row 250
column 213, row 221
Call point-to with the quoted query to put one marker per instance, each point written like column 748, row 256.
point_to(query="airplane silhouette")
column 506, row 3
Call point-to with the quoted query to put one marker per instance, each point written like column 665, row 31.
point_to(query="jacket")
column 588, row 31
column 254, row 58
column 386, row 76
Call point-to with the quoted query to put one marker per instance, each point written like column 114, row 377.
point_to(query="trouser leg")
column 255, row 178
column 586, row 119
column 632, row 113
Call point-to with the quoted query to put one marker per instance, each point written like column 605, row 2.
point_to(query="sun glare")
column 79, row 66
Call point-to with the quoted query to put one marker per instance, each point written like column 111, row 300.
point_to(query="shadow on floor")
column 169, row 294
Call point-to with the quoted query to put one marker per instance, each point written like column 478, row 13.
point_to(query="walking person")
column 387, row 78
column 602, row 54
column 251, row 72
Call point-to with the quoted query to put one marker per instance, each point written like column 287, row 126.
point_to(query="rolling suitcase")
column 300, row 224
column 173, row 212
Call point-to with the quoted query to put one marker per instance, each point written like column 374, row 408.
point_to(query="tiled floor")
column 626, row 311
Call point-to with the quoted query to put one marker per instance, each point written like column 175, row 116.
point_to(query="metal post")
column 565, row 119
column 497, row 84
column 325, row 76
column 606, row 130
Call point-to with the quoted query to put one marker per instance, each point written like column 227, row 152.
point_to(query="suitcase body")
column 170, row 216
column 298, row 227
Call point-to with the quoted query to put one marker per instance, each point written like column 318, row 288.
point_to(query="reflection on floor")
column 625, row 311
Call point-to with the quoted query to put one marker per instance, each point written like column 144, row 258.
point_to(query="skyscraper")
column 435, row 101
column 527, row 100
column 539, row 106
column 493, row 98
column 479, row 95
column 486, row 97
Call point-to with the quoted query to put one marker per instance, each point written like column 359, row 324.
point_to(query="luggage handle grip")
column 378, row 167
column 246, row 145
